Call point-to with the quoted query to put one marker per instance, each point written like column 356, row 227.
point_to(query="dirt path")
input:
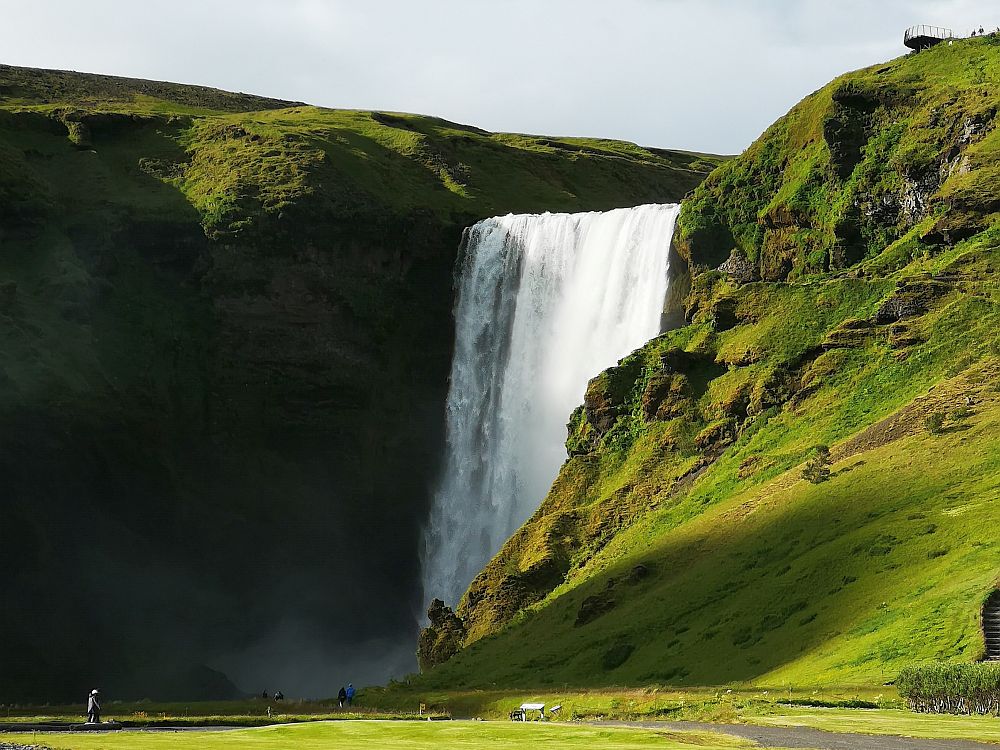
column 806, row 737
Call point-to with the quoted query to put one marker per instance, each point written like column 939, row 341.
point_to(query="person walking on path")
column 93, row 708
column 342, row 696
column 350, row 693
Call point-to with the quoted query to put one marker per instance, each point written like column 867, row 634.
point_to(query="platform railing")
column 928, row 32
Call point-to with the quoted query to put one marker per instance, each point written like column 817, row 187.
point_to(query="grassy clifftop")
column 241, row 160
column 905, row 150
column 798, row 486
column 225, row 330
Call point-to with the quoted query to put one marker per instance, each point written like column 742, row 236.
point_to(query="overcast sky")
column 707, row 75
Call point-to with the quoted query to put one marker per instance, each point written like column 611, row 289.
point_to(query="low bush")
column 951, row 688
column 822, row 703
column 817, row 468
column 934, row 423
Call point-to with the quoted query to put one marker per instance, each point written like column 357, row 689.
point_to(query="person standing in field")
column 342, row 696
column 93, row 708
column 350, row 693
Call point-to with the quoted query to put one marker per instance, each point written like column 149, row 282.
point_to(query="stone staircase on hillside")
column 991, row 626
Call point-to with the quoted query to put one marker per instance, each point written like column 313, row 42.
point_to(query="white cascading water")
column 545, row 303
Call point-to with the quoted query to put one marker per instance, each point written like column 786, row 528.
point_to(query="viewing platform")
column 925, row 37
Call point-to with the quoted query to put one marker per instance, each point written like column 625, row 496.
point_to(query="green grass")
column 976, row 728
column 784, row 583
column 736, row 704
column 767, row 707
column 409, row 735
column 249, row 713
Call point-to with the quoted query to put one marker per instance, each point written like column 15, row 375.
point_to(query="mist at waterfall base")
column 544, row 304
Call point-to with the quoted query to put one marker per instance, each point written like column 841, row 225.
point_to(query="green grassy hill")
column 225, row 331
column 844, row 294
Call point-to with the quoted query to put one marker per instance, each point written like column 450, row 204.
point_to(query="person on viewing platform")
column 93, row 708
column 350, row 693
column 341, row 696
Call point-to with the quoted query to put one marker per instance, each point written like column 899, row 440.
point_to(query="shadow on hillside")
column 744, row 594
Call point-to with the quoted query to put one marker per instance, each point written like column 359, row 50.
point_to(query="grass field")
column 978, row 728
column 376, row 734
column 390, row 715
column 416, row 735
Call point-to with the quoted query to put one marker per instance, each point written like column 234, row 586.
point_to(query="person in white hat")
column 93, row 708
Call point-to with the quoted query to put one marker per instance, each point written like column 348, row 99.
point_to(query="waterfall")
column 544, row 303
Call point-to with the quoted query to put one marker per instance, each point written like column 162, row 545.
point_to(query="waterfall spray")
column 545, row 302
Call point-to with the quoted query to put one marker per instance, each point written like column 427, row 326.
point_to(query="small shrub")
column 934, row 422
column 951, row 688
column 817, row 468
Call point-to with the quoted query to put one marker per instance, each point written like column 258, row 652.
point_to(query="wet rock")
column 915, row 196
column 974, row 127
column 722, row 314
column 850, row 334
column 901, row 337
column 911, row 299
column 849, row 246
column 738, row 267
column 845, row 130
column 608, row 393
column 666, row 397
column 774, row 390
column 716, row 435
column 442, row 638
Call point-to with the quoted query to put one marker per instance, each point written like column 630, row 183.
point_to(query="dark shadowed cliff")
column 224, row 341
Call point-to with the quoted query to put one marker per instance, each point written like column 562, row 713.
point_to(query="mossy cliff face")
column 843, row 291
column 225, row 333
column 901, row 150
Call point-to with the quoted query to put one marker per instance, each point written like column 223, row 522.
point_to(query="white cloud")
column 699, row 74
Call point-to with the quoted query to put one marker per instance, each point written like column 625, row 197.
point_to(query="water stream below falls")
column 544, row 303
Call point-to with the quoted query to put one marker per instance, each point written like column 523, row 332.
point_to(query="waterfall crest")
column 544, row 303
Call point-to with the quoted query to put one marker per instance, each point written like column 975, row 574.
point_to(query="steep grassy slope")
column 224, row 340
column 844, row 291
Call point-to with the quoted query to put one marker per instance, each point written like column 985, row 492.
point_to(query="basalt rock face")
column 442, row 638
column 225, row 343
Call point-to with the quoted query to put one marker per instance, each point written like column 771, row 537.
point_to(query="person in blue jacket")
column 350, row 693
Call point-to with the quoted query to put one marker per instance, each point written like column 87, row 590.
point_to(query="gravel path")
column 806, row 737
